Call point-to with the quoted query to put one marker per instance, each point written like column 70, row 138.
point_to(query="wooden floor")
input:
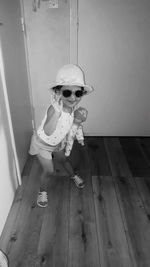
column 105, row 224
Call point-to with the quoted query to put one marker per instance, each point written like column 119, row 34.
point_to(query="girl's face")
column 71, row 95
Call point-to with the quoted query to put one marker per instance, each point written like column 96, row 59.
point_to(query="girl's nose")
column 72, row 97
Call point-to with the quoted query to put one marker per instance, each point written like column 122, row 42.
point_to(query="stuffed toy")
column 76, row 130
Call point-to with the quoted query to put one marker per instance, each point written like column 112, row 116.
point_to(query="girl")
column 51, row 137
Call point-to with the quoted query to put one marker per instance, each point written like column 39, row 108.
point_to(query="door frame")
column 74, row 26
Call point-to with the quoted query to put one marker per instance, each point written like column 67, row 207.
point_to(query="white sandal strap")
column 43, row 196
column 78, row 181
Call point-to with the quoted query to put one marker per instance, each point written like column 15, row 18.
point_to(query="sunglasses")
column 67, row 93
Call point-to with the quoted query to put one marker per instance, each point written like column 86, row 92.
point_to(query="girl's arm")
column 51, row 121
column 53, row 113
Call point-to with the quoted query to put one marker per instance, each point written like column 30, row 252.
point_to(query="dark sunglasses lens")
column 67, row 93
column 79, row 93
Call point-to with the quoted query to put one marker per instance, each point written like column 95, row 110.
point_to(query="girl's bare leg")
column 60, row 157
column 47, row 170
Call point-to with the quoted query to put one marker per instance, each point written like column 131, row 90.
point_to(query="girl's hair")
column 84, row 92
column 58, row 88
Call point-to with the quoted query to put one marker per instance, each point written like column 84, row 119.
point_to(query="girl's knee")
column 65, row 160
column 46, row 164
column 47, row 171
column 49, row 168
column 60, row 157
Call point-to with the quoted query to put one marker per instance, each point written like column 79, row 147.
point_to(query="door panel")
column 48, row 33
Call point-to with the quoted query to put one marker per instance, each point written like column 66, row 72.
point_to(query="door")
column 48, row 42
column 112, row 47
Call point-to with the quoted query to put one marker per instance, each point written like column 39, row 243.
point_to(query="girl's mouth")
column 71, row 102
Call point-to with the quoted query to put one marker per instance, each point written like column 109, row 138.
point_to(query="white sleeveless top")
column 63, row 126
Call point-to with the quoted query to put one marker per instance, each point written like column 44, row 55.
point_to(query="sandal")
column 78, row 181
column 42, row 199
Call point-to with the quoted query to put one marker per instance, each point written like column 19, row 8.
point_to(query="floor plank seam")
column 94, row 204
column 143, row 151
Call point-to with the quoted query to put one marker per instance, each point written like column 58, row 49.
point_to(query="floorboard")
column 138, row 165
column 53, row 242
column 106, row 224
column 83, row 242
column 99, row 162
column 137, row 224
column 113, row 246
column 24, row 238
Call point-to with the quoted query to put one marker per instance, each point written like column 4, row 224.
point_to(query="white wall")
column 114, row 51
column 8, row 179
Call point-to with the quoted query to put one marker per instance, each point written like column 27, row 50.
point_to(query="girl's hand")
column 56, row 101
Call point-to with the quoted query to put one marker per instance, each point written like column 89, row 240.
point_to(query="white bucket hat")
column 71, row 74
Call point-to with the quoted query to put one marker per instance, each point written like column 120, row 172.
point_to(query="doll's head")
column 80, row 115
